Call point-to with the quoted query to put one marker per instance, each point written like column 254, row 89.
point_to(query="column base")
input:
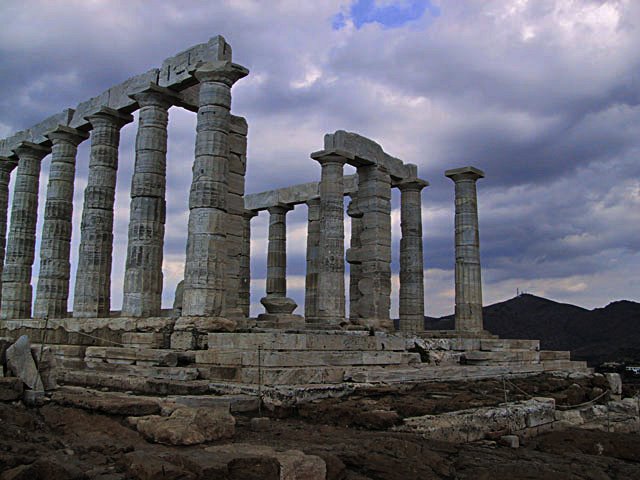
column 275, row 304
column 280, row 320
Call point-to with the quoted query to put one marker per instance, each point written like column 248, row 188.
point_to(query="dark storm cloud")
column 543, row 95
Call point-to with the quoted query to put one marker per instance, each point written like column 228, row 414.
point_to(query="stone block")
column 615, row 383
column 20, row 361
column 165, row 358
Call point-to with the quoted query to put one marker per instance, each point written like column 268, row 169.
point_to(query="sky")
column 543, row 95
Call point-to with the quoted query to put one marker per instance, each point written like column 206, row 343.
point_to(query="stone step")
column 572, row 365
column 360, row 341
column 63, row 351
column 275, row 375
column 153, row 386
column 298, row 358
column 145, row 339
column 502, row 344
column 478, row 357
column 237, row 402
column 172, row 373
column 125, row 355
column 437, row 374
column 548, row 355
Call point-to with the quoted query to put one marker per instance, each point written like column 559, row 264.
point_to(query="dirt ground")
column 54, row 442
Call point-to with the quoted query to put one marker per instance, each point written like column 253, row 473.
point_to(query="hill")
column 611, row 333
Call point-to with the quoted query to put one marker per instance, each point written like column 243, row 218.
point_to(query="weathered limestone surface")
column 21, row 363
column 244, row 294
column 313, row 258
column 411, row 257
column 355, row 262
column 276, row 300
column 374, row 254
column 7, row 165
column 331, row 294
column 237, row 260
column 20, row 254
column 92, row 295
column 52, row 292
column 143, row 272
column 204, row 288
column 468, row 316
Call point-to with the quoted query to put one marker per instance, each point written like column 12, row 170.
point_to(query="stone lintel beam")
column 294, row 195
column 365, row 151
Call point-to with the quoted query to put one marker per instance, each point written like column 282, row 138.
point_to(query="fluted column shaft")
column 468, row 313
column 7, row 165
column 355, row 264
column 92, row 294
column 143, row 272
column 21, row 243
column 244, row 296
column 374, row 201
column 52, row 293
column 277, row 251
column 411, row 257
column 331, row 293
column 204, row 274
column 313, row 259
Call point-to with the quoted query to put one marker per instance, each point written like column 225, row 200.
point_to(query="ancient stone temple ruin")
column 208, row 342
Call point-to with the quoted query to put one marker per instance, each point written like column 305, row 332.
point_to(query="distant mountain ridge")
column 611, row 333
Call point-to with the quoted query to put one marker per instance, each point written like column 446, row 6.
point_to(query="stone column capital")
column 464, row 173
column 31, row 149
column 8, row 164
column 413, row 184
column 65, row 134
column 280, row 208
column 220, row 71
column 156, row 96
column 332, row 156
column 249, row 214
column 313, row 202
column 109, row 116
column 353, row 210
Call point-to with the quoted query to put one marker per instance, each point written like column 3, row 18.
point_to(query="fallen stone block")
column 188, row 426
column 111, row 403
column 511, row 441
column 294, row 464
column 20, row 361
column 615, row 383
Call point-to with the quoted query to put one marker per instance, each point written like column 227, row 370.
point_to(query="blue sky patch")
column 389, row 14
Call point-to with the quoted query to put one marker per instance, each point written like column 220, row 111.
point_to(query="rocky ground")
column 351, row 435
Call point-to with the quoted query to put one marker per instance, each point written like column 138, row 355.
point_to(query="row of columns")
column 204, row 269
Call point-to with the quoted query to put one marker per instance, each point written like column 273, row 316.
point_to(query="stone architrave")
column 7, row 165
column 143, row 277
column 276, row 301
column 21, row 243
column 411, row 256
column 331, row 293
column 374, row 202
column 52, row 292
column 204, row 275
column 468, row 314
column 92, row 294
column 244, row 296
column 355, row 263
column 313, row 259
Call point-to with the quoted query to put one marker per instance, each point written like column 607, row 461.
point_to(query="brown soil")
column 54, row 442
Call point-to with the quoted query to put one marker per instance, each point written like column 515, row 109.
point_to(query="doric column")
column 204, row 273
column 142, row 295
column 7, row 165
column 313, row 259
column 16, row 276
column 411, row 257
column 331, row 294
column 52, row 292
column 244, row 296
column 468, row 279
column 92, row 294
column 374, row 201
column 276, row 300
column 355, row 263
